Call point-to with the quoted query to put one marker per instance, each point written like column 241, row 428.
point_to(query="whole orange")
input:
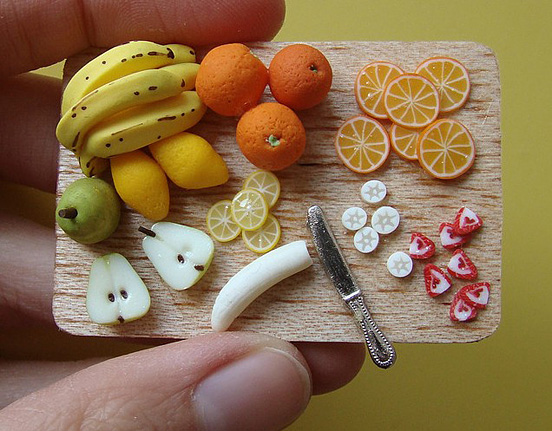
column 300, row 76
column 230, row 79
column 271, row 136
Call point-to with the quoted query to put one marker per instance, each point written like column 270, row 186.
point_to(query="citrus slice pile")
column 411, row 101
column 362, row 144
column 369, row 85
column 265, row 182
column 220, row 223
column 450, row 78
column 446, row 149
column 404, row 141
column 248, row 213
column 265, row 238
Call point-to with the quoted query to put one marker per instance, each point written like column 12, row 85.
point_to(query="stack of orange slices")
column 248, row 214
column 412, row 102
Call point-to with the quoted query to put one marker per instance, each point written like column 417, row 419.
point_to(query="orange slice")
column 369, row 85
column 451, row 79
column 404, row 141
column 411, row 101
column 446, row 149
column 362, row 144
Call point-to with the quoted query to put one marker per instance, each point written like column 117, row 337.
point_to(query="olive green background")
column 503, row 382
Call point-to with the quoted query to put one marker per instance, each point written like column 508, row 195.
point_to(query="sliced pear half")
column 181, row 254
column 116, row 293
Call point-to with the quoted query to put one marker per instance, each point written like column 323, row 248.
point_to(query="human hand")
column 227, row 381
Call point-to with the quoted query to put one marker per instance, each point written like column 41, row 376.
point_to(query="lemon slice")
column 220, row 223
column 265, row 238
column 265, row 182
column 249, row 209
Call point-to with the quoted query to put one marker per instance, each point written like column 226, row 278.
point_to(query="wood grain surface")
column 306, row 306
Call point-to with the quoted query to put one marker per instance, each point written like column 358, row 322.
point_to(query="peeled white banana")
column 142, row 125
column 254, row 279
column 120, row 61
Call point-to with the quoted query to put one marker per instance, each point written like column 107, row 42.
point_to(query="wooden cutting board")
column 306, row 306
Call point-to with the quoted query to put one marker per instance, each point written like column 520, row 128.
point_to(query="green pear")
column 89, row 210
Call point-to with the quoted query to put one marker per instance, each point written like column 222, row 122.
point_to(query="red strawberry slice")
column 436, row 281
column 449, row 238
column 461, row 311
column 466, row 221
column 421, row 247
column 460, row 266
column 476, row 295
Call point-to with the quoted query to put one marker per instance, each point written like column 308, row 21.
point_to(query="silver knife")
column 380, row 349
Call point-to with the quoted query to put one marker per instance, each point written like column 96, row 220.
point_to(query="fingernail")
column 265, row 390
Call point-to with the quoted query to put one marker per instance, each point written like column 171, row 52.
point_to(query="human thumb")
column 229, row 381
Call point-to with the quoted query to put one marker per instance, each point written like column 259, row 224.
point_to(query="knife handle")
column 381, row 350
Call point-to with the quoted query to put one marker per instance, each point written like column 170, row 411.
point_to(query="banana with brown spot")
column 135, row 89
column 145, row 124
column 120, row 61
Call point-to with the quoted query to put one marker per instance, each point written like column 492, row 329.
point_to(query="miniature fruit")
column 411, row 101
column 231, row 80
column 181, row 254
column 249, row 209
column 142, row 125
column 476, row 295
column 271, row 136
column 256, row 278
column 466, row 221
column 446, row 149
column 89, row 210
column 116, row 293
column 300, row 76
column 369, row 85
column 362, row 144
column 120, row 61
column 141, row 184
column 449, row 238
column 461, row 311
column 436, row 281
column 461, row 266
column 265, row 182
column 190, row 161
column 421, row 247
column 265, row 238
column 451, row 79
column 220, row 223
column 404, row 141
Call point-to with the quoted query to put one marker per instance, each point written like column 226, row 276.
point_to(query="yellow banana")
column 182, row 53
column 135, row 89
column 91, row 165
column 120, row 61
column 142, row 125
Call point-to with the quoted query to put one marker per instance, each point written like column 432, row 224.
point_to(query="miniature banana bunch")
column 127, row 98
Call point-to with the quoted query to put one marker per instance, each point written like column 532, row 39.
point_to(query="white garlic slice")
column 256, row 278
column 354, row 218
column 385, row 220
column 116, row 293
column 366, row 240
column 399, row 264
column 373, row 191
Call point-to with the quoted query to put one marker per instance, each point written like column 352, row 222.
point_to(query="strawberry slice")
column 436, row 281
column 460, row 266
column 466, row 221
column 476, row 295
column 421, row 247
column 461, row 311
column 449, row 238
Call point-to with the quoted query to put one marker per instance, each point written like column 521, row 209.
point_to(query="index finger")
column 36, row 33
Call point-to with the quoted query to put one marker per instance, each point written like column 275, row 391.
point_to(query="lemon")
column 141, row 184
column 265, row 238
column 220, row 223
column 190, row 161
column 265, row 182
column 249, row 209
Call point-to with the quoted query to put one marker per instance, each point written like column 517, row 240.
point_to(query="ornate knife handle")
column 381, row 350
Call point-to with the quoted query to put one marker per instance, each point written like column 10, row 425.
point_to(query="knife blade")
column 380, row 349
